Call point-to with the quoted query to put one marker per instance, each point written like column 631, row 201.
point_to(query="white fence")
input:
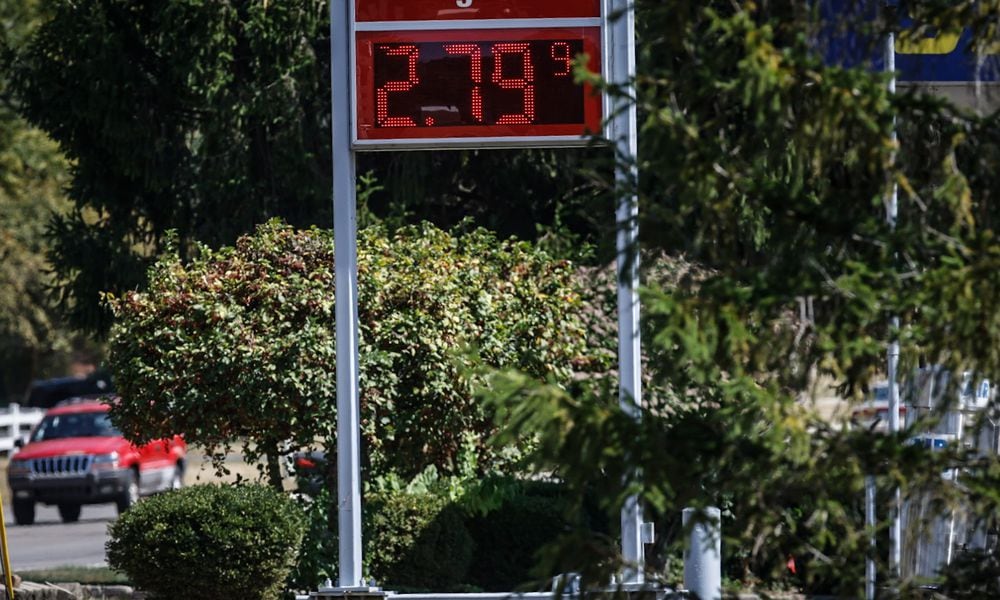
column 16, row 422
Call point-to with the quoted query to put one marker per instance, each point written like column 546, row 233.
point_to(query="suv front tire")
column 24, row 512
column 69, row 512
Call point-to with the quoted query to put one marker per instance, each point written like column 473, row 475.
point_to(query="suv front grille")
column 61, row 466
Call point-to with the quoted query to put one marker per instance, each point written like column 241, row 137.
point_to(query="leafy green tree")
column 768, row 168
column 236, row 345
column 33, row 174
column 208, row 118
column 194, row 116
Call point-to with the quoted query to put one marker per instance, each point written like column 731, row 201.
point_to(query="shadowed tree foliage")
column 770, row 168
column 208, row 118
column 201, row 117
column 33, row 174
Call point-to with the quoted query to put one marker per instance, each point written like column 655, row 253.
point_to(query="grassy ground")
column 82, row 575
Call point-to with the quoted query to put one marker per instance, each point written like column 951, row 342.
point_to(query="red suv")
column 75, row 456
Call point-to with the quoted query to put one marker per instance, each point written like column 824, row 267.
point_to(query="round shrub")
column 208, row 542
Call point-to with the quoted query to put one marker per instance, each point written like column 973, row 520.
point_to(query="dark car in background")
column 46, row 393
column 309, row 468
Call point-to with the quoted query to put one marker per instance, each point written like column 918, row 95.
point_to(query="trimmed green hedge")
column 423, row 542
column 509, row 538
column 208, row 542
column 417, row 541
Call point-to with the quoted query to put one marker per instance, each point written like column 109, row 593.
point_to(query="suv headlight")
column 105, row 462
column 19, row 468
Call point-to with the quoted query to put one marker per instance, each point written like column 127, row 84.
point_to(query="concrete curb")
column 29, row 590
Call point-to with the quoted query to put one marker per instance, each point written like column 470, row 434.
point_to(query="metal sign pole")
column 346, row 265
column 622, row 55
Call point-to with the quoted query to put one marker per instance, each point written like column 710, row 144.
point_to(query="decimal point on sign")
column 429, row 121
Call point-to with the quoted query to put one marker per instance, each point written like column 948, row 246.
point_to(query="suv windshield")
column 87, row 424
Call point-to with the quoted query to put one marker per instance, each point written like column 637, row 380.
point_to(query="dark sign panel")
column 435, row 84
column 475, row 83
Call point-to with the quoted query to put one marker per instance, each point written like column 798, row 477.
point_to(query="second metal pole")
column 892, row 355
column 870, row 526
column 629, row 347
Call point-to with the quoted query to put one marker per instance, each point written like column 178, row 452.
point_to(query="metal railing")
column 16, row 422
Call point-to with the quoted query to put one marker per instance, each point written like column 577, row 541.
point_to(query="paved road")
column 51, row 543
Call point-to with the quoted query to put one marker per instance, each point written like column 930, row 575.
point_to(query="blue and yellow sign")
column 942, row 56
column 945, row 57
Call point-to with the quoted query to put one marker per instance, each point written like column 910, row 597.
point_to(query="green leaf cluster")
column 419, row 541
column 427, row 297
column 438, row 535
column 196, row 116
column 237, row 344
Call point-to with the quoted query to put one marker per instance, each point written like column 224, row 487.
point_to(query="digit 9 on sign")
column 525, row 83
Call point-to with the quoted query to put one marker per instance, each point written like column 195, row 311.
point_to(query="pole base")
column 360, row 592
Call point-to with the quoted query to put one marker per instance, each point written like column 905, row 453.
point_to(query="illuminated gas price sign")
column 475, row 73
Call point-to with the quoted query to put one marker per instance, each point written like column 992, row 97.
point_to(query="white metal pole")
column 622, row 46
column 703, row 554
column 346, row 265
column 892, row 206
column 870, row 526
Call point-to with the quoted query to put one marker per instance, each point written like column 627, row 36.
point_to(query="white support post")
column 703, row 554
column 892, row 354
column 346, row 265
column 870, row 526
column 622, row 46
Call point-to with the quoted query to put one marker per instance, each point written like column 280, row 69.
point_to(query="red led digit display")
column 482, row 83
column 475, row 84
column 421, row 10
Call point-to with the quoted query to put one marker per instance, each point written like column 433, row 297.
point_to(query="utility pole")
column 892, row 358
